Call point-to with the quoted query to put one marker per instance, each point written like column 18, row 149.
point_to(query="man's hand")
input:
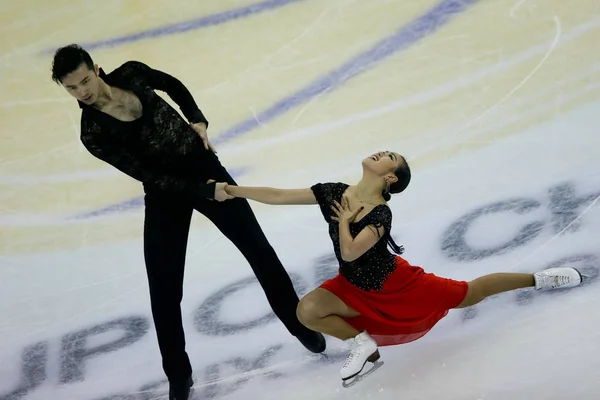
column 200, row 128
column 220, row 192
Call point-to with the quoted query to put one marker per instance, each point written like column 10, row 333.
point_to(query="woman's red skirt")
column 410, row 303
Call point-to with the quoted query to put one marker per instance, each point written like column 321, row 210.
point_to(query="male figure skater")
column 126, row 124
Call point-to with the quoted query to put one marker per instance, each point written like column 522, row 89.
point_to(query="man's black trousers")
column 166, row 227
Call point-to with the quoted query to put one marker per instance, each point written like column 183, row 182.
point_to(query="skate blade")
column 347, row 383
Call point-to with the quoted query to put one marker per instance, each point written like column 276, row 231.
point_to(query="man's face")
column 83, row 84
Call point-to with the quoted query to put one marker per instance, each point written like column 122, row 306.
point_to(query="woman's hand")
column 343, row 213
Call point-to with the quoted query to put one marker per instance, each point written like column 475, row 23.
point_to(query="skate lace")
column 557, row 280
column 355, row 351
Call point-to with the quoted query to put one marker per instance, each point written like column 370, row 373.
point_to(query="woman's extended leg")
column 489, row 285
column 492, row 284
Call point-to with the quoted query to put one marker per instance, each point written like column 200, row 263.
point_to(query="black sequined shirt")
column 159, row 149
column 370, row 270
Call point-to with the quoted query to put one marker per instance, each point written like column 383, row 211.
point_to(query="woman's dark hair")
column 403, row 175
column 67, row 59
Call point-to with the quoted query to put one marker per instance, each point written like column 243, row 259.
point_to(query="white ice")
column 522, row 345
column 543, row 347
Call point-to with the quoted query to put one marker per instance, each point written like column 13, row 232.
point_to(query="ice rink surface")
column 495, row 104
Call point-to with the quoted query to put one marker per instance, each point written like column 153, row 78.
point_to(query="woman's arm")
column 353, row 248
column 268, row 195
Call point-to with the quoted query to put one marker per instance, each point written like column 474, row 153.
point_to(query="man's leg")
column 236, row 220
column 166, row 228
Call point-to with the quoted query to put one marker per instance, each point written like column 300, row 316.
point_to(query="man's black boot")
column 180, row 390
column 313, row 341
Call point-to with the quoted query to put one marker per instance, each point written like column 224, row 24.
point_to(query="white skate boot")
column 557, row 278
column 362, row 349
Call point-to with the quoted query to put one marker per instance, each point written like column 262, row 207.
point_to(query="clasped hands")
column 221, row 191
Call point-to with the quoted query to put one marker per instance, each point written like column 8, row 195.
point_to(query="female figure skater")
column 378, row 298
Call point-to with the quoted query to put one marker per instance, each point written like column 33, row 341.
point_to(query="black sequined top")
column 369, row 271
column 159, row 149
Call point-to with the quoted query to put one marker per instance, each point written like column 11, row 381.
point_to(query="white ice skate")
column 557, row 278
column 362, row 349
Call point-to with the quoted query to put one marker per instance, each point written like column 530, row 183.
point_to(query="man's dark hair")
column 67, row 59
